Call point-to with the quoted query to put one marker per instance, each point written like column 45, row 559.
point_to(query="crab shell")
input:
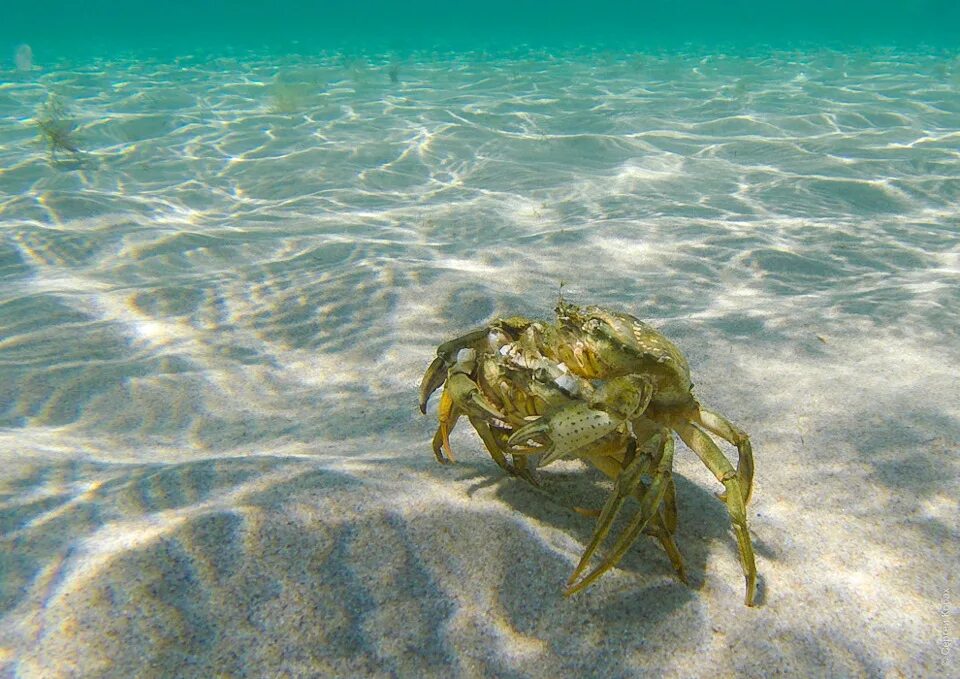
column 596, row 343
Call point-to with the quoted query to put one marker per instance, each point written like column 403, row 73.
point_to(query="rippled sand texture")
column 214, row 320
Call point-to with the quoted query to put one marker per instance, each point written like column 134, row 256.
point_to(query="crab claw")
column 432, row 379
column 539, row 429
column 461, row 395
column 448, row 414
column 536, row 429
column 447, row 354
column 566, row 430
column 491, row 338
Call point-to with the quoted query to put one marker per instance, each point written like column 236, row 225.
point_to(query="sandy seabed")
column 214, row 320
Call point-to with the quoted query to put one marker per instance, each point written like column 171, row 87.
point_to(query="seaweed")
column 58, row 131
column 292, row 92
column 286, row 97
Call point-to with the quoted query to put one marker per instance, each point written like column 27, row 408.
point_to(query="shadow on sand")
column 257, row 564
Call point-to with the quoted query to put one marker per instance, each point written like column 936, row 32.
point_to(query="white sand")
column 211, row 462
column 363, row 557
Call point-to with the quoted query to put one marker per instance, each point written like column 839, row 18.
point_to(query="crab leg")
column 670, row 506
column 626, row 484
column 657, row 527
column 644, row 429
column 660, row 529
column 701, row 443
column 715, row 423
column 627, row 480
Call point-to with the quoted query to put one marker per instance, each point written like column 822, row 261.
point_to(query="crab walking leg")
column 626, row 484
column 717, row 424
column 524, row 471
column 647, row 429
column 701, row 443
column 438, row 448
column 657, row 526
column 660, row 529
column 670, row 506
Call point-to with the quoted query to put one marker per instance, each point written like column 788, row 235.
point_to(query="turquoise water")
column 221, row 285
column 103, row 26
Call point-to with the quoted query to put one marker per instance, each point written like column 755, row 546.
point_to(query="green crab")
column 499, row 389
column 635, row 391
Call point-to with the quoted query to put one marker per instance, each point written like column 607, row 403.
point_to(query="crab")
column 636, row 392
column 500, row 389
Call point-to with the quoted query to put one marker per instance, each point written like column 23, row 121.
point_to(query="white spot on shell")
column 569, row 384
column 496, row 339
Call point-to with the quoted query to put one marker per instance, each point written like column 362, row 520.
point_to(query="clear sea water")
column 273, row 214
column 106, row 26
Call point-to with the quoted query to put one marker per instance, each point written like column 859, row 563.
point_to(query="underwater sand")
column 214, row 322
